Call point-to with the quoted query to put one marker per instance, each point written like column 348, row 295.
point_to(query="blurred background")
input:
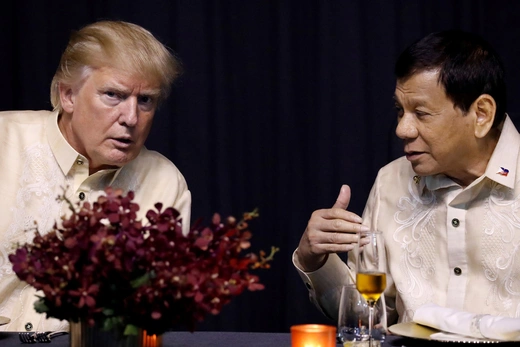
column 280, row 103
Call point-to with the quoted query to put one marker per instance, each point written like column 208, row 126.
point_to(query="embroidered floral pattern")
column 416, row 236
column 501, row 250
column 35, row 200
column 39, row 185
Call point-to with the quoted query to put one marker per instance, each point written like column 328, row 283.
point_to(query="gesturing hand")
column 329, row 231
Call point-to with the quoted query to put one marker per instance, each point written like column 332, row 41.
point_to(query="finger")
column 343, row 198
column 341, row 238
column 338, row 247
column 335, row 220
column 345, row 226
column 339, row 242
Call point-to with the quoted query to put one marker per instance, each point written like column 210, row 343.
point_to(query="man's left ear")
column 485, row 109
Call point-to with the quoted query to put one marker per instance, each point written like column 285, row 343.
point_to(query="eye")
column 111, row 97
column 420, row 113
column 146, row 102
column 399, row 111
column 111, row 94
column 145, row 99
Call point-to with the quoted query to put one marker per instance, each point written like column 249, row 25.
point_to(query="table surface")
column 234, row 339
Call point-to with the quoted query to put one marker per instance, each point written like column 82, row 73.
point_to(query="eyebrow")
column 415, row 102
column 152, row 92
column 396, row 100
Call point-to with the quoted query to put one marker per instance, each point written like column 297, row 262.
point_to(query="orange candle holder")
column 313, row 335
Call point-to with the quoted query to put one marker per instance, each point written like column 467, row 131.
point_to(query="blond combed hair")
column 116, row 44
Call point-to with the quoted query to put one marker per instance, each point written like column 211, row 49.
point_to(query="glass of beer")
column 370, row 271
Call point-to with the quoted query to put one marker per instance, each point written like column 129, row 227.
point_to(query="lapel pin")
column 503, row 171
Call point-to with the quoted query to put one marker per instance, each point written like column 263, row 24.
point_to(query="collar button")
column 28, row 326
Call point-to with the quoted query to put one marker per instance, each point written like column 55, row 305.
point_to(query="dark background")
column 281, row 102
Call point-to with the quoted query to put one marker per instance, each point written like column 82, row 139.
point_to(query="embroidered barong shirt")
column 453, row 246
column 36, row 166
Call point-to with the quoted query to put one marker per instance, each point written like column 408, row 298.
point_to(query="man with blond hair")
column 111, row 78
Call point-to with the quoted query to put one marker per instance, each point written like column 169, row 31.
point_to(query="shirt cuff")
column 324, row 284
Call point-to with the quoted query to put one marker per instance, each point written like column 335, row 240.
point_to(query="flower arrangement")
column 105, row 267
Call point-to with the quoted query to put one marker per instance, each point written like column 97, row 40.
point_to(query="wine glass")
column 370, row 271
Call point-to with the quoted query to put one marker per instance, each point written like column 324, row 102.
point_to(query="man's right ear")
column 67, row 97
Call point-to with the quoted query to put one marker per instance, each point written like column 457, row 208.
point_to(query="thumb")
column 343, row 198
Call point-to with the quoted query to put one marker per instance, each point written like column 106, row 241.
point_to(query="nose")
column 406, row 127
column 128, row 112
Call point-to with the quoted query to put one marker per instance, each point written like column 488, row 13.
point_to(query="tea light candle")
column 313, row 335
column 150, row 340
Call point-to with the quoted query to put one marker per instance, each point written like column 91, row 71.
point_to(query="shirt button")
column 28, row 326
column 79, row 161
column 308, row 285
column 82, row 196
column 457, row 271
column 455, row 222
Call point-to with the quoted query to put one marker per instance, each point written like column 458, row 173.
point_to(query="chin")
column 423, row 171
column 121, row 159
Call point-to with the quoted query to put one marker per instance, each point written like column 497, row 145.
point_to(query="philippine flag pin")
column 503, row 171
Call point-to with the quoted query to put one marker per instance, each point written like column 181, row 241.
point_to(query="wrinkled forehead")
column 134, row 63
column 420, row 88
column 122, row 78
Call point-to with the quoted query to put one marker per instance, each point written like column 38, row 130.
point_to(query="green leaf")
column 40, row 306
column 107, row 324
column 131, row 330
column 112, row 324
column 142, row 280
column 108, row 312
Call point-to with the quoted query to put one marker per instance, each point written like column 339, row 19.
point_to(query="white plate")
column 418, row 331
column 4, row 320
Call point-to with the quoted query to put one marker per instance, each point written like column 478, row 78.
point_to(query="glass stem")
column 370, row 322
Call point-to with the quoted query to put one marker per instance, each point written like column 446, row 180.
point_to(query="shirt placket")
column 457, row 256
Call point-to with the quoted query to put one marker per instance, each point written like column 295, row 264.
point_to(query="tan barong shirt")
column 36, row 165
column 452, row 246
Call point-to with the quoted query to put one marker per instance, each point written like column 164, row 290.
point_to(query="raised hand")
column 330, row 230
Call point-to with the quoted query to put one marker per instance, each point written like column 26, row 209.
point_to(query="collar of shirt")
column 66, row 156
column 501, row 167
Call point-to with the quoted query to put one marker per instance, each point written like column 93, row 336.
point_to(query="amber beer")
column 371, row 285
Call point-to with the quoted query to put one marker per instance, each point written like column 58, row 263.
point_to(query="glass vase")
column 83, row 335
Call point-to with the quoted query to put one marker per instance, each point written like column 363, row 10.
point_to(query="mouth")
column 413, row 155
column 123, row 141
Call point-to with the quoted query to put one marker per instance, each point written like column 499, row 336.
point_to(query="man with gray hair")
column 448, row 209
